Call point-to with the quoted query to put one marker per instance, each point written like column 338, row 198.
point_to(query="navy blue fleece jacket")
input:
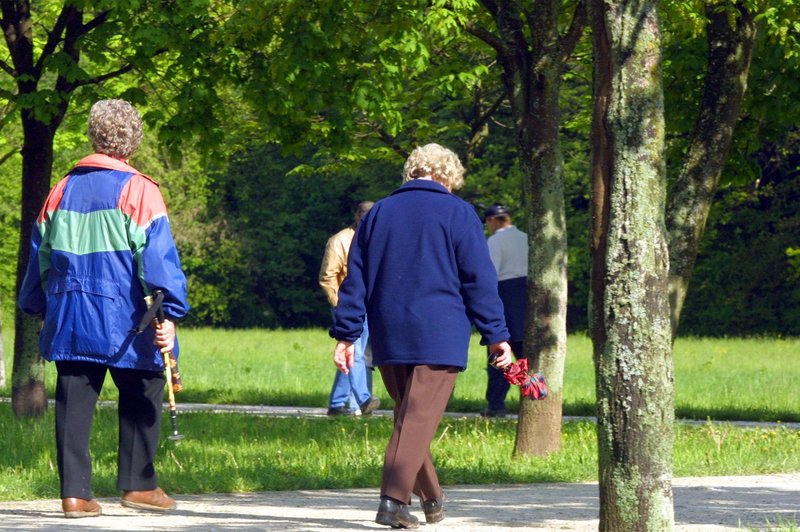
column 420, row 268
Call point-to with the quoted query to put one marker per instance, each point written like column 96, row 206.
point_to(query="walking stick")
column 169, row 362
column 155, row 312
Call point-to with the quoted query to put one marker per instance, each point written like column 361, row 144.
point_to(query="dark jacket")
column 420, row 267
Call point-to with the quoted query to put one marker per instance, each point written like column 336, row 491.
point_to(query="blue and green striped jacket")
column 102, row 241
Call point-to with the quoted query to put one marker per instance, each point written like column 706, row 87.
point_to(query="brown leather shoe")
column 74, row 508
column 154, row 500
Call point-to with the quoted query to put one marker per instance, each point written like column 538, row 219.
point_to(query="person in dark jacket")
column 420, row 268
column 508, row 247
column 102, row 242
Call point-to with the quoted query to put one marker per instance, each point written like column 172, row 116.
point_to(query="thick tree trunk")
column 630, row 307
column 28, row 396
column 730, row 48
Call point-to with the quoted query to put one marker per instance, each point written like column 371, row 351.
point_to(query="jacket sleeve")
column 479, row 283
column 329, row 272
column 350, row 313
column 32, row 298
column 154, row 250
column 32, row 294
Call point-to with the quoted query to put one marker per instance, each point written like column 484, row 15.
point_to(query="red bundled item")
column 533, row 386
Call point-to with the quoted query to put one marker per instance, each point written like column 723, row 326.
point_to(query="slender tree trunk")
column 28, row 396
column 630, row 307
column 532, row 53
column 545, row 344
column 730, row 49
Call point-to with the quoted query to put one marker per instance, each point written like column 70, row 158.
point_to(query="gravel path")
column 701, row 504
column 706, row 504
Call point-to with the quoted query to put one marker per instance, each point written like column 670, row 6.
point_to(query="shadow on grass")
column 737, row 414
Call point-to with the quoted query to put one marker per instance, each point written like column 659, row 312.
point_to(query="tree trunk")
column 532, row 80
column 28, row 396
column 630, row 307
column 730, row 48
column 545, row 343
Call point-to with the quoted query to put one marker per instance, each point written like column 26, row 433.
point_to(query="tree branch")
column 104, row 77
column 486, row 36
column 6, row 68
column 54, row 37
column 9, row 155
column 570, row 39
column 95, row 22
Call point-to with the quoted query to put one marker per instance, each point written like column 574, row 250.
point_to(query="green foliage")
column 745, row 282
column 258, row 262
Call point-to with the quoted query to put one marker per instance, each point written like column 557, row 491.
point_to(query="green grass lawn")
column 240, row 453
column 714, row 378
column 723, row 379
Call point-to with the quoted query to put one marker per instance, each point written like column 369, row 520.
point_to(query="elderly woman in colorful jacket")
column 420, row 268
column 101, row 243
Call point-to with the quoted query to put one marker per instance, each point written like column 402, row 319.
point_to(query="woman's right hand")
column 344, row 356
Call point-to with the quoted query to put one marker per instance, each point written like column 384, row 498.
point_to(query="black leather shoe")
column 395, row 514
column 434, row 509
column 488, row 412
column 370, row 405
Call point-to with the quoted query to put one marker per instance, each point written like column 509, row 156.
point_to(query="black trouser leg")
column 77, row 387
column 140, row 397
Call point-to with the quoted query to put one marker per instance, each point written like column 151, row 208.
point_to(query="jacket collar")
column 100, row 160
column 421, row 184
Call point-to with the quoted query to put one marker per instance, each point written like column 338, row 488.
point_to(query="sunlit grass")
column 240, row 453
column 723, row 378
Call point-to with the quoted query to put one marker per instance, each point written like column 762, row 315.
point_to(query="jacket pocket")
column 82, row 317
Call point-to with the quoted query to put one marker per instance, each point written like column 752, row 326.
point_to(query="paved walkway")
column 701, row 504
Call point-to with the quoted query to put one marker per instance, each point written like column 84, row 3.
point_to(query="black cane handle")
column 151, row 313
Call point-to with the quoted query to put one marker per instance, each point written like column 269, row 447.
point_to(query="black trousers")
column 140, row 395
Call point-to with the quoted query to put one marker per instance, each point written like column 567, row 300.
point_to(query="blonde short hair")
column 115, row 128
column 436, row 162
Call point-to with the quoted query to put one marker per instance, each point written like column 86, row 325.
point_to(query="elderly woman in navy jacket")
column 420, row 267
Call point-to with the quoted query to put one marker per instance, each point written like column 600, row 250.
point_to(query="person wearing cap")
column 419, row 267
column 508, row 248
column 356, row 386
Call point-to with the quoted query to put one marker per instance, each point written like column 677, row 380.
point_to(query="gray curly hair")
column 115, row 128
column 438, row 163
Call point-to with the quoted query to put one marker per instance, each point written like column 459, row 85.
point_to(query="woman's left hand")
column 504, row 354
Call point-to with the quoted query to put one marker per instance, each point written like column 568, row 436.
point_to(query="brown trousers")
column 420, row 395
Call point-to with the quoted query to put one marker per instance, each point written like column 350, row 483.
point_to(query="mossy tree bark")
column 630, row 306
column 532, row 51
column 731, row 35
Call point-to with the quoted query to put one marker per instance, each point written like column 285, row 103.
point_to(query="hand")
column 165, row 336
column 344, row 356
column 504, row 354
